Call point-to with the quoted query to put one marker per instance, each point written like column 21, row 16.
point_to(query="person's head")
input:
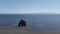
column 22, row 20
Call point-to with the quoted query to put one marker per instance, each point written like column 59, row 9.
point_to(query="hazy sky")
column 29, row 6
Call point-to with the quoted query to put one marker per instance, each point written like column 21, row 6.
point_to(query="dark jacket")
column 22, row 23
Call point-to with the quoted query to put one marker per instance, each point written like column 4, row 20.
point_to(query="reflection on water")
column 43, row 23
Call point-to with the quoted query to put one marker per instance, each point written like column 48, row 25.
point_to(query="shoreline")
column 22, row 31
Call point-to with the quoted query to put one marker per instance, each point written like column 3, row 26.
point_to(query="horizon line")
column 29, row 12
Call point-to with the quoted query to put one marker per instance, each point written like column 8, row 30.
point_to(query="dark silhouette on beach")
column 22, row 23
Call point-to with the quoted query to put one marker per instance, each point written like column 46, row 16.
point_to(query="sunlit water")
column 35, row 22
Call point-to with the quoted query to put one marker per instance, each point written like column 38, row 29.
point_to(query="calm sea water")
column 35, row 22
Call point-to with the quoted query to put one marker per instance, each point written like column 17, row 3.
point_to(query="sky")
column 29, row 6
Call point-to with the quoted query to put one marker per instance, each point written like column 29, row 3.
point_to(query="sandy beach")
column 22, row 31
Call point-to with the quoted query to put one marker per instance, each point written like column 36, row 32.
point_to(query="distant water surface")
column 35, row 22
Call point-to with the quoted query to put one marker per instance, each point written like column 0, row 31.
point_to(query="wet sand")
column 22, row 31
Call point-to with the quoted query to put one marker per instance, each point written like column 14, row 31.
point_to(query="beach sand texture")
column 22, row 31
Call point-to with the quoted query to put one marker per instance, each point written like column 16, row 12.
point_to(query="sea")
column 34, row 22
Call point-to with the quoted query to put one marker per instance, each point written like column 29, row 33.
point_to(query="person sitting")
column 22, row 23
